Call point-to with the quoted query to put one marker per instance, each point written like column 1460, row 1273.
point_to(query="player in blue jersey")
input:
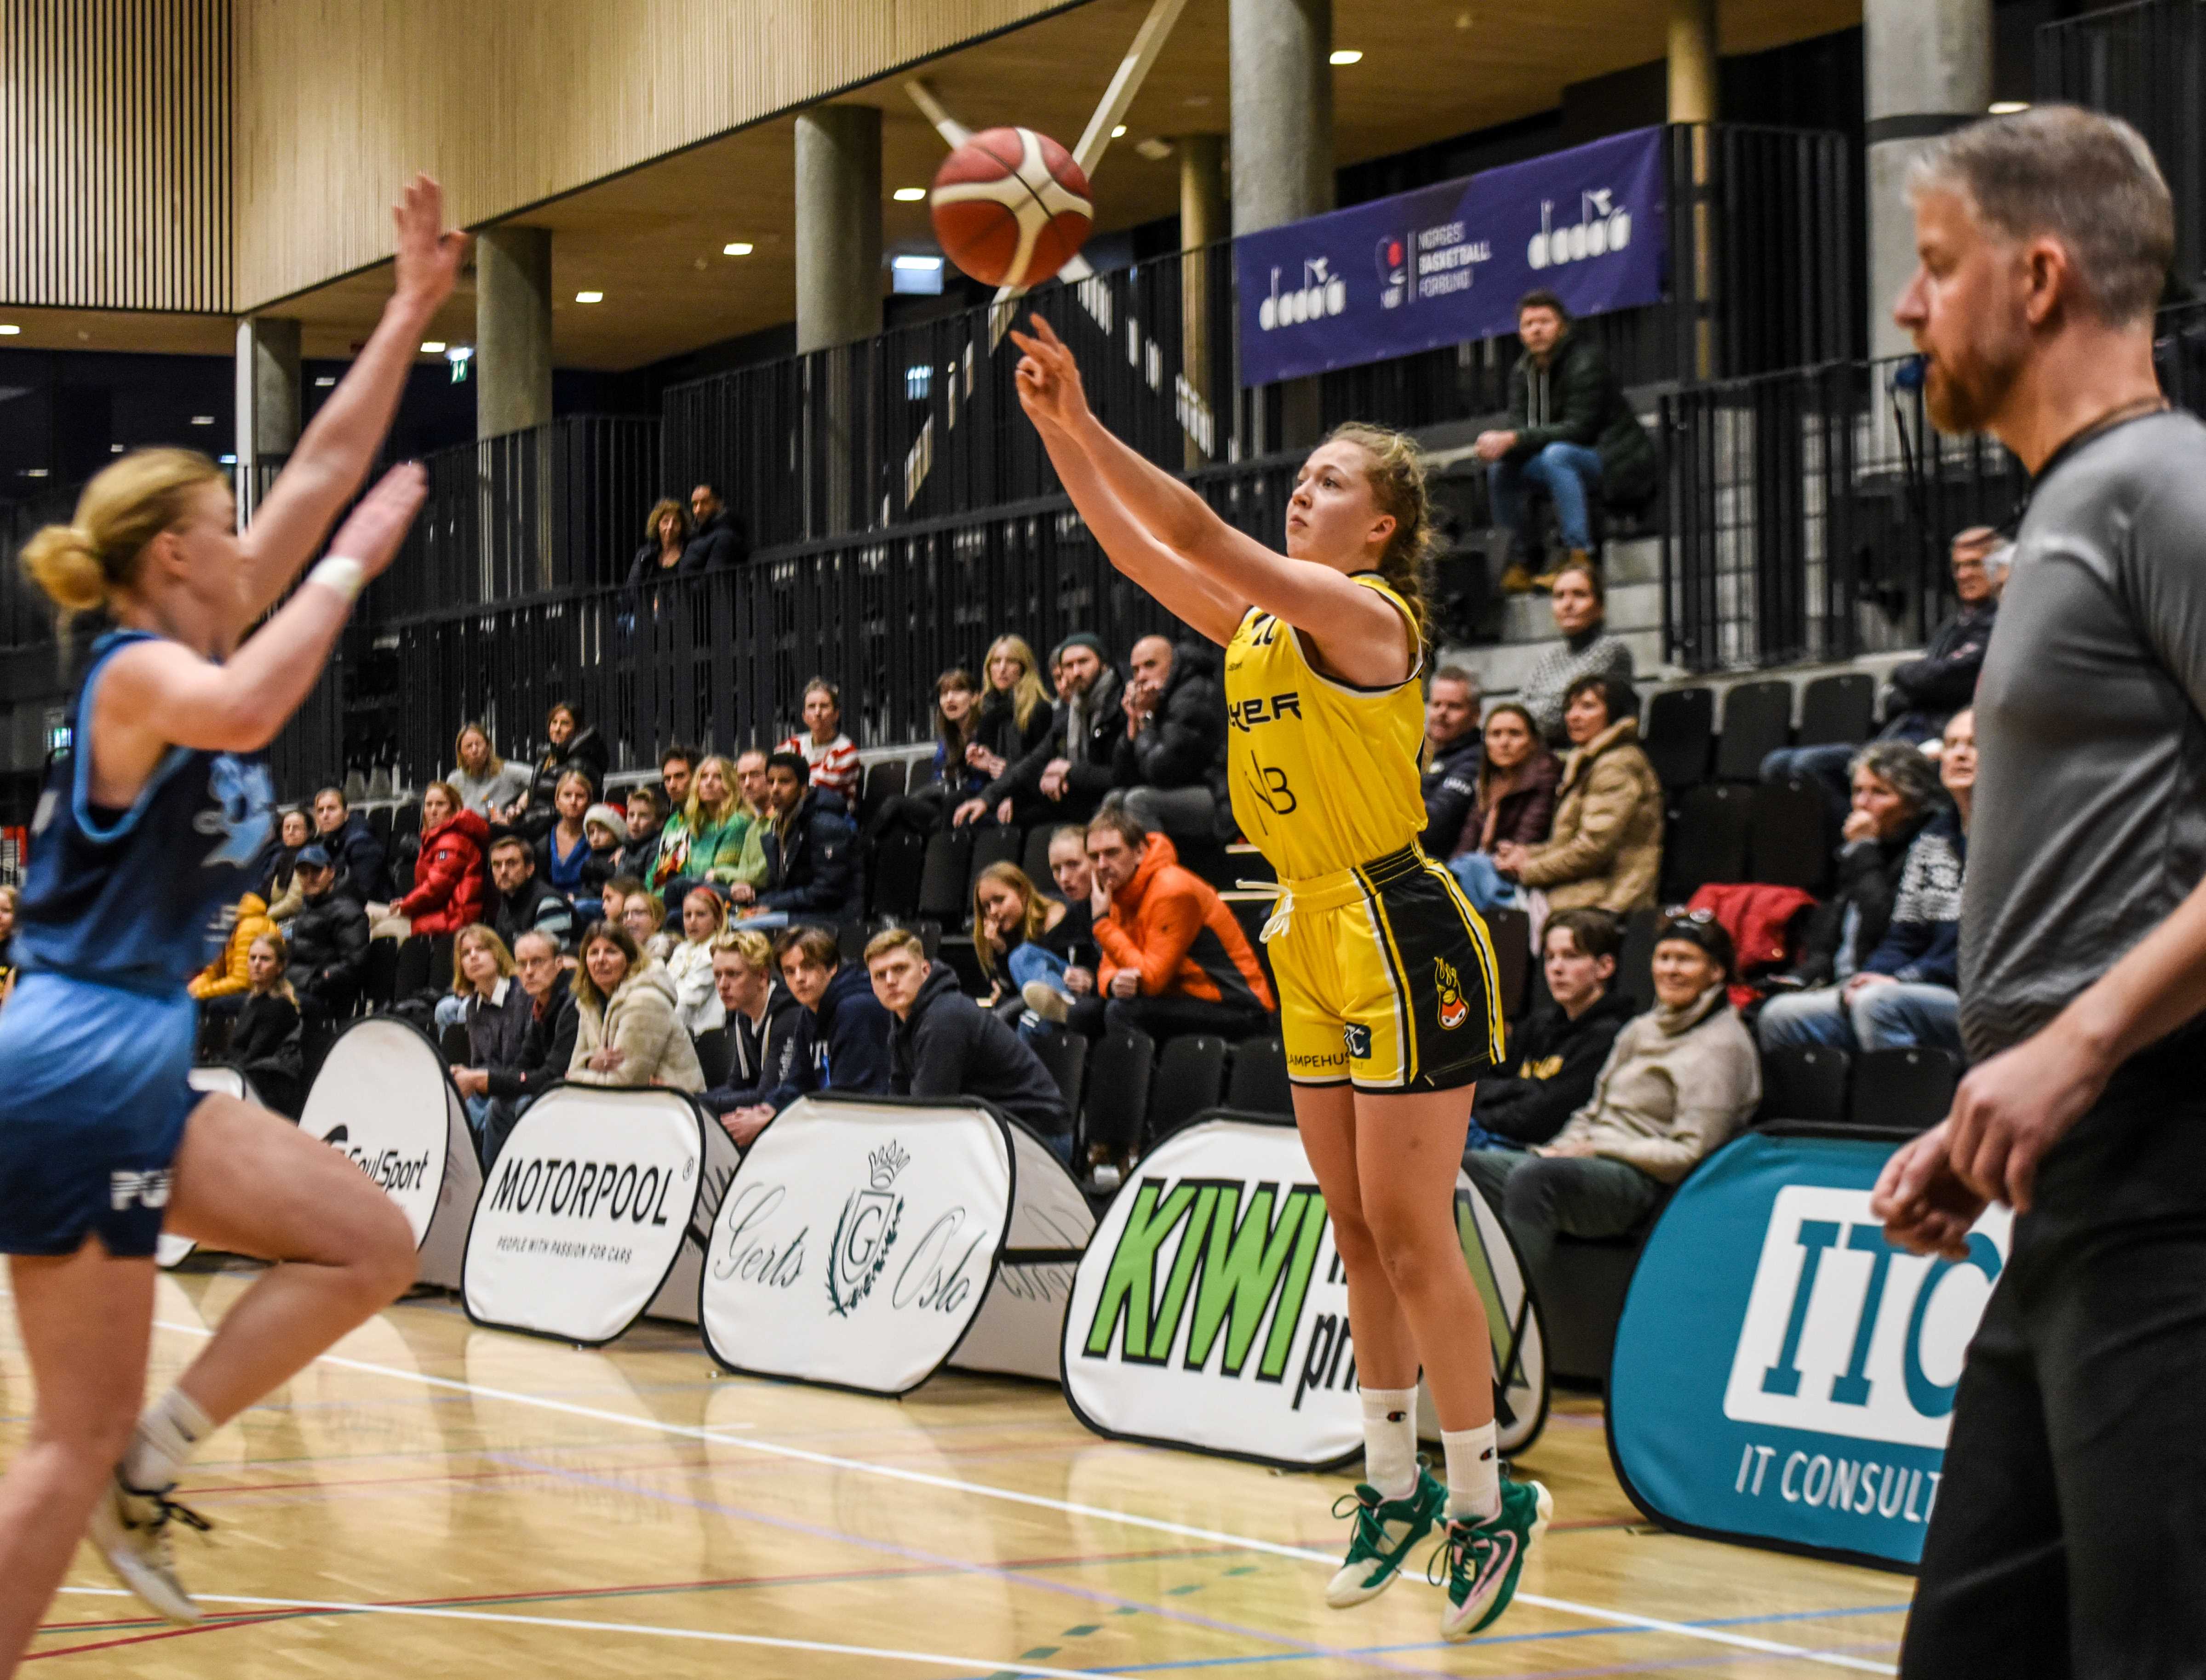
column 148, row 826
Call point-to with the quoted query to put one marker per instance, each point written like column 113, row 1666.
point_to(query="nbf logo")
column 1845, row 1334
column 148, row 1190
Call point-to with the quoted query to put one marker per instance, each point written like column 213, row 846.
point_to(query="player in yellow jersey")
column 1387, row 986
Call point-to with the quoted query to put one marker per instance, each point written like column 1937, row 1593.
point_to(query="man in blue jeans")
column 1575, row 437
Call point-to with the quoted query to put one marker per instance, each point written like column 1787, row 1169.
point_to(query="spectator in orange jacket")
column 448, row 881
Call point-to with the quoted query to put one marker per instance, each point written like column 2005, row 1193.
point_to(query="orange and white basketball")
column 1011, row 208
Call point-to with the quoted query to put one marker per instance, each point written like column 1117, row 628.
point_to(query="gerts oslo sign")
column 1782, row 1373
column 1446, row 264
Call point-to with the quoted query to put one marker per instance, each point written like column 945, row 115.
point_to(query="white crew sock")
column 1390, row 1440
column 1474, row 1472
column 168, row 1435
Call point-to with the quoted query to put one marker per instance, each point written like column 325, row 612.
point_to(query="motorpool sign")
column 584, row 1212
column 1212, row 1310
column 384, row 1101
column 858, row 1242
column 1783, row 1374
column 1446, row 264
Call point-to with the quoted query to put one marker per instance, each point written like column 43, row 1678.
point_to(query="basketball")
column 1010, row 207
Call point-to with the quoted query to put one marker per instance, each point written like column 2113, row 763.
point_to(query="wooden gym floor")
column 435, row 1499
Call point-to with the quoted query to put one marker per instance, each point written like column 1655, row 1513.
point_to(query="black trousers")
column 2069, row 1534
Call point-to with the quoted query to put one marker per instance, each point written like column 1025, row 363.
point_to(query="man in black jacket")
column 496, row 1096
column 1172, row 754
column 845, row 1046
column 328, row 938
column 521, row 902
column 1077, row 765
column 1573, row 434
column 767, row 1028
column 1560, row 1049
column 944, row 1044
column 718, row 538
column 352, row 846
column 1454, row 746
column 811, row 857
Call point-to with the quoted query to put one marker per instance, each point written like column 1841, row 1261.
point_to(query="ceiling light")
column 589, row 297
column 922, row 264
column 326, row 381
column 1348, row 56
column 114, row 449
column 2007, row 107
column 1154, row 149
column 433, row 347
column 10, row 332
column 35, row 472
column 1118, row 133
column 742, row 248
column 226, row 460
column 909, row 194
column 202, row 419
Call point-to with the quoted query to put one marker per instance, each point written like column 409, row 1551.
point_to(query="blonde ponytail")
column 81, row 565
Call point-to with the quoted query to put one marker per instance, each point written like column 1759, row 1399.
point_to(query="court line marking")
column 830, row 1461
column 331, row 1607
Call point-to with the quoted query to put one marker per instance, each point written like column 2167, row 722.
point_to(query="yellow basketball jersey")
column 1324, row 774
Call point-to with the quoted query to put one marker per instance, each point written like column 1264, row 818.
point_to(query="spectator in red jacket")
column 1175, row 960
column 831, row 754
column 447, row 882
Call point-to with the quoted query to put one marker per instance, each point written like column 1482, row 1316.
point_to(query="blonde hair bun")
column 63, row 561
column 128, row 504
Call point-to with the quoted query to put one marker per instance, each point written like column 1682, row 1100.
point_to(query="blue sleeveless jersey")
column 135, row 898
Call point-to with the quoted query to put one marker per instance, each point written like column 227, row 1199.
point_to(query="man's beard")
column 1966, row 394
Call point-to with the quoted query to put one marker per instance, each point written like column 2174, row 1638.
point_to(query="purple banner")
column 1446, row 264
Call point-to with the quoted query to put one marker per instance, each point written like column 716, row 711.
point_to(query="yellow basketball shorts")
column 1386, row 978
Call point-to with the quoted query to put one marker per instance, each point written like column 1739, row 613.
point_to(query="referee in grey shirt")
column 2069, row 1536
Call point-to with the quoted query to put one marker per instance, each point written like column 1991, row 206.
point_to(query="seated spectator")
column 1560, row 1047
column 495, row 1007
column 643, row 914
column 1575, row 437
column 448, row 887
column 675, row 766
column 830, row 757
column 1678, row 1081
column 846, row 1036
column 1580, row 605
column 226, row 977
column 645, row 818
column 10, row 900
column 702, row 844
column 352, row 848
column 945, row 1045
column 1068, row 777
column 689, row 964
column 1452, row 752
column 1014, row 721
column 279, row 882
column 811, row 866
column 665, row 543
column 606, row 830
column 614, row 900
column 1170, row 758
column 750, row 792
column 1174, row 960
column 267, row 1044
column 521, row 900
column 485, row 783
column 564, row 851
column 1021, row 938
column 546, row 1047
column 628, row 1033
column 951, row 781
column 718, row 537
column 569, row 746
column 1925, row 692
column 768, row 1028
column 329, row 940
column 1513, row 803
column 1893, row 984
column 1604, row 851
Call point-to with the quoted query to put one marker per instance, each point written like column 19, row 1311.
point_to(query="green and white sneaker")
column 1483, row 1559
column 1386, row 1532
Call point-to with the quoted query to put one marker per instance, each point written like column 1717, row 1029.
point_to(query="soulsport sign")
column 1783, row 1374
column 1446, row 264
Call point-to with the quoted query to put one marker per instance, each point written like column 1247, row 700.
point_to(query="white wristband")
column 347, row 577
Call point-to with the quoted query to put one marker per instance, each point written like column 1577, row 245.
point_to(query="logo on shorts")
column 867, row 1231
column 148, row 1190
column 1358, row 1040
column 1453, row 1010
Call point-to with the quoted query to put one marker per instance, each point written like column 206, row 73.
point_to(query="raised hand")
column 429, row 252
column 1049, row 377
column 376, row 527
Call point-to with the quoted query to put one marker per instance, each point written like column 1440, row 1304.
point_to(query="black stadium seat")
column 1190, row 1076
column 1065, row 1055
column 1259, row 1084
column 1908, row 1089
column 945, row 876
column 1118, row 1097
column 1789, row 842
column 1708, row 843
column 900, row 860
column 1680, row 734
column 992, row 846
column 1635, row 964
column 1804, row 1082
column 1036, row 860
column 455, row 1044
column 884, row 782
column 410, row 973
column 1512, row 955
column 1757, row 719
column 1838, row 710
column 716, row 1055
column 378, row 825
column 380, row 974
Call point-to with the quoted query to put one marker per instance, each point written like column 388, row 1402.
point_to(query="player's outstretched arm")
column 334, row 453
column 160, row 693
column 1359, row 636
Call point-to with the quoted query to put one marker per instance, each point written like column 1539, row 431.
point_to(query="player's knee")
column 385, row 1262
column 92, row 1431
column 1353, row 1240
column 1408, row 1255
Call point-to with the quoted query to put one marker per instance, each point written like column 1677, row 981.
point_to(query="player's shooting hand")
column 1049, row 377
column 380, row 523
column 429, row 252
column 1925, row 1206
column 2012, row 1109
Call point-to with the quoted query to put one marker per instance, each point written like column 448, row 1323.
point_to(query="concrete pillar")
column 513, row 330
column 268, row 400
column 1283, row 147
column 1928, row 65
column 838, row 225
column 1204, row 220
column 1693, row 60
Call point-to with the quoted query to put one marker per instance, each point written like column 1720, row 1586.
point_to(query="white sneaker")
column 1045, row 1001
column 131, row 1530
column 1107, row 1177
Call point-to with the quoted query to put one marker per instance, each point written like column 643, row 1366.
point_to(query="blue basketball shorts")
column 94, row 1093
